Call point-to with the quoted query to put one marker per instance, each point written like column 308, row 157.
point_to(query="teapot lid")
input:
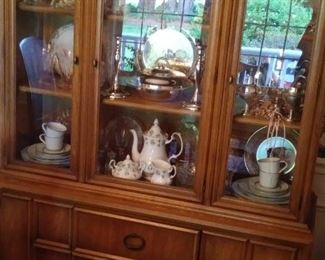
column 155, row 131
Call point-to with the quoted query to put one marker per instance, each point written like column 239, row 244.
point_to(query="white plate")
column 38, row 152
column 242, row 188
column 26, row 157
column 61, row 51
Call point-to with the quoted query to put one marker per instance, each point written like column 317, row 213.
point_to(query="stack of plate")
column 250, row 188
column 39, row 154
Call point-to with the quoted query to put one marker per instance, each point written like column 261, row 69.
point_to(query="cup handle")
column 41, row 137
column 174, row 156
column 44, row 127
column 284, row 167
column 174, row 174
column 112, row 164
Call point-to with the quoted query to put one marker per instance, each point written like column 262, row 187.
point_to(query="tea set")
column 152, row 162
column 51, row 150
column 53, row 135
column 267, row 187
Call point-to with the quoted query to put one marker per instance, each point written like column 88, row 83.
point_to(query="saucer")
column 247, row 188
column 27, row 157
column 66, row 149
column 281, row 188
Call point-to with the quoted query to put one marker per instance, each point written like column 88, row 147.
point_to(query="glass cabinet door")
column 269, row 101
column 151, row 69
column 42, row 86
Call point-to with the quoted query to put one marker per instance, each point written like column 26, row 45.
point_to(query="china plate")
column 61, row 51
column 284, row 149
column 65, row 150
column 258, row 146
column 39, row 152
column 242, row 188
column 257, row 188
column 26, row 157
column 178, row 55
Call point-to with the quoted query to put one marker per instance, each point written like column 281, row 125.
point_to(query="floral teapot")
column 153, row 148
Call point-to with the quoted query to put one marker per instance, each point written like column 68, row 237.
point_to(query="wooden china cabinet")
column 161, row 113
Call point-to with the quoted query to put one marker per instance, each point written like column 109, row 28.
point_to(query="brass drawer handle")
column 95, row 63
column 134, row 242
column 76, row 60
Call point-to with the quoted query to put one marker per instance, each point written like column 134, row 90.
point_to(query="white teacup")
column 54, row 129
column 269, row 169
column 161, row 172
column 52, row 143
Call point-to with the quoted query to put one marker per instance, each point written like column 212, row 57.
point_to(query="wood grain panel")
column 266, row 251
column 14, row 227
column 52, row 223
column 132, row 238
column 217, row 246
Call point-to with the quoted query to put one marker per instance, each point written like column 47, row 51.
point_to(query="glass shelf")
column 45, row 8
column 48, row 92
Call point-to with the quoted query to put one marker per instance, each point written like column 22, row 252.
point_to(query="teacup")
column 54, row 129
column 52, row 143
column 269, row 170
column 161, row 172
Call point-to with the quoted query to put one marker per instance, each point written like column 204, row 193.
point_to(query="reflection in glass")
column 272, row 78
column 44, row 73
column 158, row 57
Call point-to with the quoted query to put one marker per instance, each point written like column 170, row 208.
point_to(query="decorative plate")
column 259, row 147
column 176, row 56
column 61, row 51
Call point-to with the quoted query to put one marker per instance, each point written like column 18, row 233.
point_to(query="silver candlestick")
column 115, row 92
column 195, row 102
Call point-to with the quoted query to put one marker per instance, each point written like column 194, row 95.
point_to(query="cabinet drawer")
column 127, row 237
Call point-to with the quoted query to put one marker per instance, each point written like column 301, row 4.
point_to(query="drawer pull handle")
column 134, row 242
column 76, row 60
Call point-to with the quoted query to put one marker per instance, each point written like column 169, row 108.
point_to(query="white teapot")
column 153, row 148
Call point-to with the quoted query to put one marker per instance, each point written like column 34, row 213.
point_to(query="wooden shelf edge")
column 256, row 121
column 138, row 103
column 42, row 8
column 48, row 92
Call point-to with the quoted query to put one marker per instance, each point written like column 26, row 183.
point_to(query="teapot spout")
column 135, row 152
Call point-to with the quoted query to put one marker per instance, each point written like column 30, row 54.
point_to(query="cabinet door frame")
column 225, row 93
column 197, row 193
column 8, row 114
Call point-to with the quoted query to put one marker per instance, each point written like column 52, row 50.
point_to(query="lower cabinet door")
column 215, row 246
column 48, row 254
column 15, row 227
column 110, row 235
column 222, row 247
column 268, row 251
